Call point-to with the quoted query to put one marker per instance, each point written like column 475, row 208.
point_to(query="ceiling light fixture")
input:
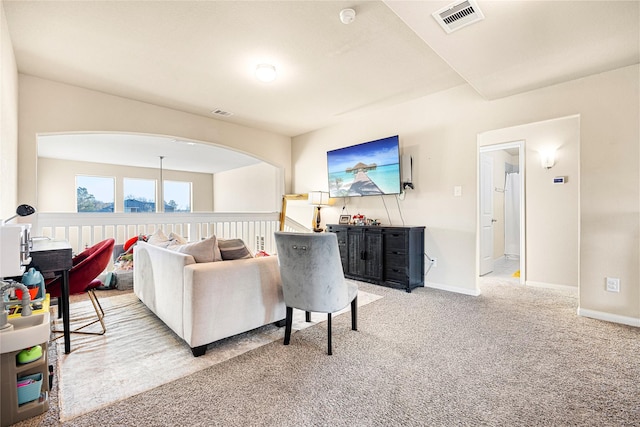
column 266, row 73
column 347, row 16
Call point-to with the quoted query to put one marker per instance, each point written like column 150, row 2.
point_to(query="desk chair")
column 87, row 266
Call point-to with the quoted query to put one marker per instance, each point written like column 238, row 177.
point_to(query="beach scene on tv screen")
column 367, row 169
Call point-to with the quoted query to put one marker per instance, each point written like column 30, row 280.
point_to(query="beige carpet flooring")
column 139, row 353
column 514, row 356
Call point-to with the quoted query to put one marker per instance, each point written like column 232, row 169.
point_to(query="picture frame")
column 344, row 219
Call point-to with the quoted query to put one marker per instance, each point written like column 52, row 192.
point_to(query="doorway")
column 501, row 197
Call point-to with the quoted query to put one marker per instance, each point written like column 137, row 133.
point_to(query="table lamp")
column 318, row 199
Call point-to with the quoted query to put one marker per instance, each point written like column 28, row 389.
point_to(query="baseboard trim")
column 571, row 289
column 608, row 317
column 473, row 292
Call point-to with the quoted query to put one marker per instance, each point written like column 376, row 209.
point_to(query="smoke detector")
column 458, row 15
column 347, row 16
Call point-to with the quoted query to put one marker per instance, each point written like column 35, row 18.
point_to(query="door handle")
column 494, row 220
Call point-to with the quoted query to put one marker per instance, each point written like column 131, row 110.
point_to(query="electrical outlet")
column 613, row 284
column 434, row 262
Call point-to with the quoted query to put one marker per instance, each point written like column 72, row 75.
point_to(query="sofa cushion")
column 203, row 251
column 158, row 238
column 177, row 239
column 233, row 249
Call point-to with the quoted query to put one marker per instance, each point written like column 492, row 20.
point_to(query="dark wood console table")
column 384, row 255
column 54, row 256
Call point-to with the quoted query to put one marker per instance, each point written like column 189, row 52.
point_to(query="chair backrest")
column 90, row 263
column 87, row 265
column 311, row 271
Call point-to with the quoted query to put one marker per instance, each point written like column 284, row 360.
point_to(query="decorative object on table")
column 359, row 219
column 344, row 219
column 313, row 279
column 318, row 199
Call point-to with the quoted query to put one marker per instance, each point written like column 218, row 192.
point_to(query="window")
column 177, row 196
column 139, row 195
column 94, row 193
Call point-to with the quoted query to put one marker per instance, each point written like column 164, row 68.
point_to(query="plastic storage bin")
column 30, row 392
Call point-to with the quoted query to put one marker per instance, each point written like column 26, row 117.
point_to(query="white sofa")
column 204, row 302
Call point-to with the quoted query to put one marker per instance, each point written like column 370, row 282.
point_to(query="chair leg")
column 307, row 316
column 354, row 314
column 287, row 328
column 329, row 351
column 99, row 312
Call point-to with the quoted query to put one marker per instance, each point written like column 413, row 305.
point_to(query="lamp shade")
column 319, row 198
column 547, row 158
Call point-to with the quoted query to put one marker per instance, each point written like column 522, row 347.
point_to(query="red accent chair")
column 87, row 266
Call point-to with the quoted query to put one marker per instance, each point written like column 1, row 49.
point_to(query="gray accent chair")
column 312, row 278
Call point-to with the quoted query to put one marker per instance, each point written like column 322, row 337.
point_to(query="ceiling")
column 142, row 151
column 198, row 56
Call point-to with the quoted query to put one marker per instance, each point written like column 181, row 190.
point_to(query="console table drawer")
column 396, row 273
column 395, row 260
column 395, row 241
column 395, row 253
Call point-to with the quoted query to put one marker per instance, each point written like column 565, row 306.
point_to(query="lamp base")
column 316, row 225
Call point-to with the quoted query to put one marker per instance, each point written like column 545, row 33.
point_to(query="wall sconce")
column 318, row 199
column 548, row 158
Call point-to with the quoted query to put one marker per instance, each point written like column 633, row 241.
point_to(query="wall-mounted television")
column 368, row 169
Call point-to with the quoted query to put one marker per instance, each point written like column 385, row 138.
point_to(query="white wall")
column 49, row 107
column 440, row 132
column 247, row 189
column 551, row 211
column 57, row 185
column 8, row 123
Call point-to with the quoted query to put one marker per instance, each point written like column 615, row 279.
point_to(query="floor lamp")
column 318, row 199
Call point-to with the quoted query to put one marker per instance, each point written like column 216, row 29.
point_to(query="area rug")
column 139, row 353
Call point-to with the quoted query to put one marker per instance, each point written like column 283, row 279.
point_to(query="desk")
column 54, row 256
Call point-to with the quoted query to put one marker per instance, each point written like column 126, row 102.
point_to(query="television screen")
column 368, row 169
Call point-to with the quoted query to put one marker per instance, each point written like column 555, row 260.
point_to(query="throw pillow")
column 177, row 239
column 158, row 238
column 202, row 251
column 233, row 249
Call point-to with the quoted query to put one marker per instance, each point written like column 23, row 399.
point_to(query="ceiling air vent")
column 219, row 112
column 458, row 15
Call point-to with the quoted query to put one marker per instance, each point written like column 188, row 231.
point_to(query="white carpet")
column 139, row 353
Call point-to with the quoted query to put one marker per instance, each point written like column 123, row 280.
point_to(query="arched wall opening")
column 222, row 179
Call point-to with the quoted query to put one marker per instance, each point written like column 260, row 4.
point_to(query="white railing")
column 294, row 226
column 84, row 229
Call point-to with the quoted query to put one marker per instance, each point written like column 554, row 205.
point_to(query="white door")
column 486, row 214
